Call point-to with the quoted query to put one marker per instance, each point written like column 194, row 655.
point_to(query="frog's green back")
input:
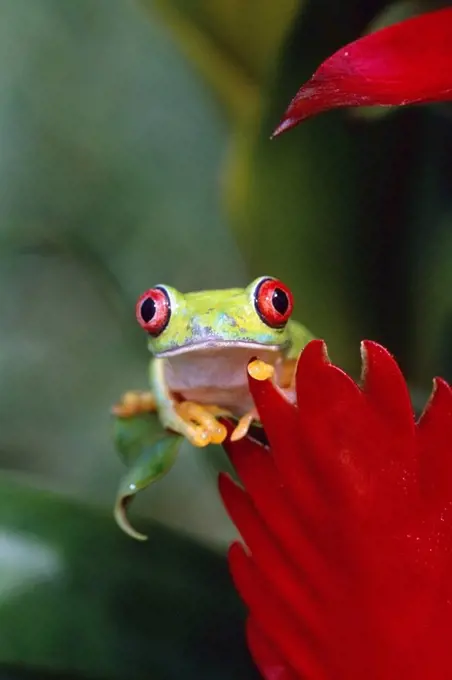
column 300, row 336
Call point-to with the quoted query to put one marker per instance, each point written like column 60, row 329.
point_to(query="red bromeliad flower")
column 347, row 522
column 409, row 62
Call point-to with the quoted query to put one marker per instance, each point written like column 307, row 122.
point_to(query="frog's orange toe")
column 259, row 370
column 244, row 425
column 201, row 426
column 198, row 437
column 219, row 435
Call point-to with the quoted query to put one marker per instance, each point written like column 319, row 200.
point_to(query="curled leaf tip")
column 120, row 515
column 151, row 460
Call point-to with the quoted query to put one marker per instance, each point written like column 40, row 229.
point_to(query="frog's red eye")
column 273, row 302
column 153, row 310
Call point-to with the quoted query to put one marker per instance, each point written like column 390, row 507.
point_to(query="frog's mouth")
column 214, row 346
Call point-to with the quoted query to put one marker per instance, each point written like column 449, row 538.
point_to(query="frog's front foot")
column 199, row 424
column 134, row 403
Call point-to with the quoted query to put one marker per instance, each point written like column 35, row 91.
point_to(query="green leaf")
column 131, row 435
column 76, row 595
column 149, row 453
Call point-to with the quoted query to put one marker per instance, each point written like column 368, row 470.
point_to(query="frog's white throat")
column 217, row 375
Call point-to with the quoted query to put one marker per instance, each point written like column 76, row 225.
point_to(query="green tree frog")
column 202, row 343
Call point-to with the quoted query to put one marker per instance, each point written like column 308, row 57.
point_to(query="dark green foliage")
column 79, row 595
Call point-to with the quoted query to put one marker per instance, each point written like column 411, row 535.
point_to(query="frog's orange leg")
column 134, row 403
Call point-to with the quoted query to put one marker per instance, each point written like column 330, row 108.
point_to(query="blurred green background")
column 134, row 149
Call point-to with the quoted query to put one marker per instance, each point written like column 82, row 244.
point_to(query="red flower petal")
column 267, row 659
column 274, row 616
column 347, row 520
column 409, row 62
column 436, row 425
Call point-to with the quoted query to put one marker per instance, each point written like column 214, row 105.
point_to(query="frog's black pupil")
column 280, row 301
column 148, row 310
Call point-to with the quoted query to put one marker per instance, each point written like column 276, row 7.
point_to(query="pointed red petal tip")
column 346, row 520
column 406, row 63
column 286, row 124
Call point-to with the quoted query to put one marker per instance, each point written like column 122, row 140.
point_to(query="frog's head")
column 252, row 317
